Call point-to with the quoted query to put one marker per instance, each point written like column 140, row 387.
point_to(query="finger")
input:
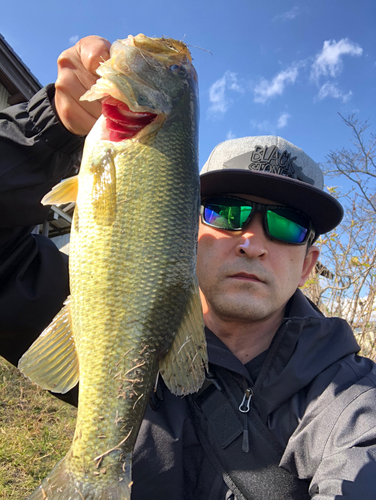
column 77, row 116
column 76, row 74
column 74, row 116
column 92, row 51
column 80, row 61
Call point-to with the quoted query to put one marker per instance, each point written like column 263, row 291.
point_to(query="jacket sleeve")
column 348, row 466
column 334, row 445
column 36, row 152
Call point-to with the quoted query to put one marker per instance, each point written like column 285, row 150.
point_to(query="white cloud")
column 230, row 135
column 286, row 16
column 329, row 60
column 217, row 96
column 217, row 92
column 233, row 83
column 263, row 126
column 266, row 90
column 330, row 89
column 74, row 39
column 282, row 120
column 270, row 127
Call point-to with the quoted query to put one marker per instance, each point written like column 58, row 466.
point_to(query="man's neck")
column 245, row 340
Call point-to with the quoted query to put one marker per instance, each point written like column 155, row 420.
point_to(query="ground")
column 36, row 430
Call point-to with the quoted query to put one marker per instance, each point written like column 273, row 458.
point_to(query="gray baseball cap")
column 273, row 168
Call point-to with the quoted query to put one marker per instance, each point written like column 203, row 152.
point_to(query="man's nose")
column 252, row 241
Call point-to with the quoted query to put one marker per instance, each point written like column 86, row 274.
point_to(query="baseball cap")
column 273, row 168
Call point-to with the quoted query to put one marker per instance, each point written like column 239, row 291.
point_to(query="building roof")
column 15, row 76
column 20, row 85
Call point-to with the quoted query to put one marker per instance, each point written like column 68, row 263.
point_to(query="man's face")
column 244, row 276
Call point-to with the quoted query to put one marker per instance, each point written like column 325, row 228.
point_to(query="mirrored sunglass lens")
column 226, row 216
column 282, row 227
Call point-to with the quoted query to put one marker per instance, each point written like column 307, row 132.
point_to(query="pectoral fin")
column 64, row 192
column 52, row 361
column 183, row 368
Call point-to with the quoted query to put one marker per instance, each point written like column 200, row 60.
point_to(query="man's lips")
column 246, row 277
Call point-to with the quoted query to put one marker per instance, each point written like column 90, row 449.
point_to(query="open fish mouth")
column 121, row 122
column 140, row 85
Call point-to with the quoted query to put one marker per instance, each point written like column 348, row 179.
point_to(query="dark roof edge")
column 14, row 74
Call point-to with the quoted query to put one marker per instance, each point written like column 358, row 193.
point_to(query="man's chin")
column 235, row 308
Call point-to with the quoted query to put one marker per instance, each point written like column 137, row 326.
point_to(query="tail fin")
column 62, row 485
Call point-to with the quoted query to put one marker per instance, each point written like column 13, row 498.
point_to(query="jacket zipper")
column 244, row 408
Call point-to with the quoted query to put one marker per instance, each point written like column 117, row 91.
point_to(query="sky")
column 265, row 67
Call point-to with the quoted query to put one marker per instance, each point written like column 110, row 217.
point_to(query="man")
column 245, row 294
column 288, row 408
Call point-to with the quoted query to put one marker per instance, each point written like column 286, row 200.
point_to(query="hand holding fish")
column 76, row 74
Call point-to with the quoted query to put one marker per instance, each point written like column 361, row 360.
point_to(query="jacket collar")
column 305, row 344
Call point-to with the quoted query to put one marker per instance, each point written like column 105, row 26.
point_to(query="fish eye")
column 179, row 70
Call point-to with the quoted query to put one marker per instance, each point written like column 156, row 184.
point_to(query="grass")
column 36, row 431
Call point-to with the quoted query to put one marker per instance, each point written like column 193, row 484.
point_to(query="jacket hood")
column 306, row 344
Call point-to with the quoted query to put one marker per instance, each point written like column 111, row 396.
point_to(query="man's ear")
column 309, row 263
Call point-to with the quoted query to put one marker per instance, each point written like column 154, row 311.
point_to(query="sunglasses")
column 279, row 223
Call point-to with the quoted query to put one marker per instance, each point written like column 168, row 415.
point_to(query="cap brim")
column 324, row 210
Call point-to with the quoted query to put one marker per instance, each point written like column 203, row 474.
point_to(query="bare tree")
column 348, row 289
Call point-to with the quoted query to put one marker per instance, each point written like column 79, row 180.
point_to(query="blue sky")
column 269, row 67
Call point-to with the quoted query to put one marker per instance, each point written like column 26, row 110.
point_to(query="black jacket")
column 313, row 393
column 36, row 151
column 313, row 406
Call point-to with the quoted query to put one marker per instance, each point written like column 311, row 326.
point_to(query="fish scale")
column 134, row 307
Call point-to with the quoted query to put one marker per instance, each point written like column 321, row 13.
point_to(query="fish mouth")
column 121, row 122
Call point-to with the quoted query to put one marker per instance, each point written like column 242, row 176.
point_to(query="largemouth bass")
column 134, row 308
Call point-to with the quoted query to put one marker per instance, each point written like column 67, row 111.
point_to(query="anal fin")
column 64, row 192
column 51, row 361
column 183, row 368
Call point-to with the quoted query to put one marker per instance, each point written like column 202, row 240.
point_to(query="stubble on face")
column 245, row 288
column 246, row 280
column 245, row 293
